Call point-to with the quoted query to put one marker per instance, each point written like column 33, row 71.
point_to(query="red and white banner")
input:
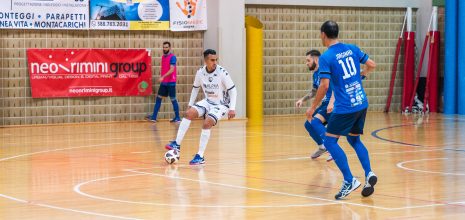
column 89, row 72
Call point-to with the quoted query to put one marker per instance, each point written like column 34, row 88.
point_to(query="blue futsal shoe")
column 173, row 146
column 197, row 160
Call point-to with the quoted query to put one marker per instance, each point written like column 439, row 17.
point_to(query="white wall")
column 226, row 21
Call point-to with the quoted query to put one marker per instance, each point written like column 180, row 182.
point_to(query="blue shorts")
column 167, row 89
column 322, row 111
column 343, row 124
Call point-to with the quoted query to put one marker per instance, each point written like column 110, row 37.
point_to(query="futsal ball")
column 171, row 156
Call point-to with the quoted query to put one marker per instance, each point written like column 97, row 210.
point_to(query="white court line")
column 63, row 209
column 56, row 207
column 420, row 206
column 308, row 137
column 281, row 159
column 141, row 152
column 68, row 148
column 332, row 202
column 401, row 165
column 164, row 137
column 77, row 189
column 463, row 202
column 96, row 145
column 392, row 152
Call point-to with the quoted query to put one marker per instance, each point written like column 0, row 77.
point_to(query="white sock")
column 204, row 137
column 321, row 146
column 183, row 126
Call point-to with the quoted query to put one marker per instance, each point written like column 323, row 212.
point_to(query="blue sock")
column 339, row 157
column 313, row 133
column 319, row 128
column 156, row 108
column 361, row 151
column 175, row 107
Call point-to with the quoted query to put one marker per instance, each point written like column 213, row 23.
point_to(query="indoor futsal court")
column 244, row 109
column 116, row 170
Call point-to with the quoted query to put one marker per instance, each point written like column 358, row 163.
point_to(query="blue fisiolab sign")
column 44, row 14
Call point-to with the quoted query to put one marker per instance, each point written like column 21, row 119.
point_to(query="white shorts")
column 214, row 111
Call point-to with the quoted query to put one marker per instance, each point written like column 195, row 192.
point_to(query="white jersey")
column 215, row 85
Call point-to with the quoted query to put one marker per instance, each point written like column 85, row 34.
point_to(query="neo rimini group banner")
column 129, row 14
column 44, row 14
column 89, row 72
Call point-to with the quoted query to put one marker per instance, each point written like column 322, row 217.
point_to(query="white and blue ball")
column 172, row 156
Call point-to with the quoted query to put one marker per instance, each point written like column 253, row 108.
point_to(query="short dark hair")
column 166, row 42
column 208, row 52
column 313, row 53
column 331, row 29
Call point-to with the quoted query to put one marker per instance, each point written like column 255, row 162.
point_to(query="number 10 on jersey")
column 348, row 65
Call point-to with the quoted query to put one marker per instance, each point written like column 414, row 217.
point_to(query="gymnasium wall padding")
column 254, row 68
column 450, row 58
column 409, row 68
column 461, row 58
column 433, row 81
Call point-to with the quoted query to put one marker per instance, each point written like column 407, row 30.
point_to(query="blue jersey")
column 341, row 64
column 316, row 84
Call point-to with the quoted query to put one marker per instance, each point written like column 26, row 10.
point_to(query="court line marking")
column 141, row 152
column 77, row 189
column 401, row 165
column 55, row 207
column 165, row 137
column 462, row 202
column 375, row 132
column 119, row 130
column 131, row 142
column 64, row 209
column 138, row 173
column 308, row 137
column 380, row 153
column 281, row 159
column 452, row 149
column 143, row 136
column 288, row 194
column 93, row 145
column 77, row 147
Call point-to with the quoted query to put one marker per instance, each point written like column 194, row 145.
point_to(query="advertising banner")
column 89, row 72
column 129, row 14
column 188, row 15
column 44, row 14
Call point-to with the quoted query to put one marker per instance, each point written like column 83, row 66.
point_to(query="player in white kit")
column 220, row 99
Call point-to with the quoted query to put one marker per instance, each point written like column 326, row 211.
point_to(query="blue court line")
column 375, row 134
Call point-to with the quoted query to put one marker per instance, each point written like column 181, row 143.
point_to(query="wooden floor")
column 116, row 171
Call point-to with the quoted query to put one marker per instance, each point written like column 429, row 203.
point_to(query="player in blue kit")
column 316, row 126
column 340, row 64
